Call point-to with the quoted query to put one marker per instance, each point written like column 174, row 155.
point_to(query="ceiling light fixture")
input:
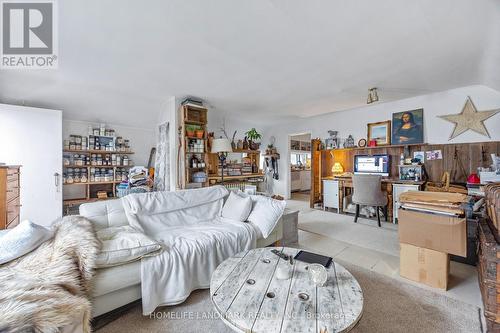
column 372, row 96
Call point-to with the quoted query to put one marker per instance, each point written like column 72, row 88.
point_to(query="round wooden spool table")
column 250, row 298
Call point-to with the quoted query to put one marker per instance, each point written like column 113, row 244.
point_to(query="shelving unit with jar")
column 92, row 166
column 194, row 141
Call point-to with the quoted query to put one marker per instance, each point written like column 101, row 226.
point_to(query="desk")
column 345, row 188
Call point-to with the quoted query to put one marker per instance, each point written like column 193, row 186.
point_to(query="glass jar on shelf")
column 76, row 177
column 69, row 179
column 84, row 177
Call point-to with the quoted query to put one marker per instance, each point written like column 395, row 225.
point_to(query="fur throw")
column 49, row 288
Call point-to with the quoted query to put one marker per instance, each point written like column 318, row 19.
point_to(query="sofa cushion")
column 266, row 213
column 236, row 207
column 105, row 214
column 123, row 245
column 115, row 278
column 22, row 239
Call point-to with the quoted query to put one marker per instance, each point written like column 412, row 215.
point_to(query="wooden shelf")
column 193, row 115
column 378, row 147
column 97, row 152
column 83, row 200
column 246, row 151
column 194, row 122
column 96, row 183
column 97, row 166
column 254, row 175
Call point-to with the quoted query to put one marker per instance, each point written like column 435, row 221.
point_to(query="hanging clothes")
column 162, row 160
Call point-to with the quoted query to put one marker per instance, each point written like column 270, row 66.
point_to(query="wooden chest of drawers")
column 9, row 196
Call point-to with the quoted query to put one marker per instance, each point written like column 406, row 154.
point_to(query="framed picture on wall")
column 380, row 132
column 408, row 127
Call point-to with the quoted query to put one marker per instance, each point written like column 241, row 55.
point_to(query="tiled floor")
column 463, row 280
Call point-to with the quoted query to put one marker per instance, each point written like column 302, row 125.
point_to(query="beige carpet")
column 390, row 306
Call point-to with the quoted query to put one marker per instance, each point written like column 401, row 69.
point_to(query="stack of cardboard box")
column 432, row 225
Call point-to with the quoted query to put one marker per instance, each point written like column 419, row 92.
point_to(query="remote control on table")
column 280, row 254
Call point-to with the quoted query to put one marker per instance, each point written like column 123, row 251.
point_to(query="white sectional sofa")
column 120, row 285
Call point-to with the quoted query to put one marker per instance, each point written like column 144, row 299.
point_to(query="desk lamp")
column 221, row 147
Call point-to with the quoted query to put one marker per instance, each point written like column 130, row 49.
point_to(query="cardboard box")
column 424, row 265
column 431, row 231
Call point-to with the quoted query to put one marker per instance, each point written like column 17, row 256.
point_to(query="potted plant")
column 253, row 136
column 271, row 149
column 199, row 133
column 190, row 130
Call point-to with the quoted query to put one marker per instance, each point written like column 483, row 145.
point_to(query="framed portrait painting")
column 380, row 132
column 408, row 127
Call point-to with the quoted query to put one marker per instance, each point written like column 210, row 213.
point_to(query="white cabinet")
column 331, row 194
column 305, row 180
column 296, row 181
column 397, row 189
column 301, row 180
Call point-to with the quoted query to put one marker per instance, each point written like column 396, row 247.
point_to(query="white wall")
column 141, row 139
column 31, row 137
column 170, row 114
column 354, row 121
column 233, row 123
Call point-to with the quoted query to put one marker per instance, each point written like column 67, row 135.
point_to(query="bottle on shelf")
column 194, row 161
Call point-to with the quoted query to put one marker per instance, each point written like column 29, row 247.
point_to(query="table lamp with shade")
column 337, row 168
column 221, row 147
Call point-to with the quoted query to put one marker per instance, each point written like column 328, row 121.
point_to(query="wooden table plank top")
column 249, row 297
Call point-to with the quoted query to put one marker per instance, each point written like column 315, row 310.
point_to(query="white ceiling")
column 260, row 59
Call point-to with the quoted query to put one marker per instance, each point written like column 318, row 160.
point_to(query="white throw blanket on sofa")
column 195, row 237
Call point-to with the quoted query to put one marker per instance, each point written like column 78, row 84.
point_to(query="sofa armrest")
column 274, row 237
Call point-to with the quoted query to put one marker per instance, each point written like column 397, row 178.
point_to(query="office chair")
column 367, row 192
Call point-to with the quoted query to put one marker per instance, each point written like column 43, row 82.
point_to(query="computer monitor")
column 371, row 164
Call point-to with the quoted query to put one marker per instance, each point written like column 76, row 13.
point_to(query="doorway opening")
column 300, row 166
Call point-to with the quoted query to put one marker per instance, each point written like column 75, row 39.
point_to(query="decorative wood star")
column 469, row 118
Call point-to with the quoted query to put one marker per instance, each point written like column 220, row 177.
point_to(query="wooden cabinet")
column 194, row 145
column 9, row 196
column 331, row 194
column 397, row 189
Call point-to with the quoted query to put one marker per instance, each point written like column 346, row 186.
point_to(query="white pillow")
column 121, row 245
column 266, row 213
column 237, row 207
column 22, row 239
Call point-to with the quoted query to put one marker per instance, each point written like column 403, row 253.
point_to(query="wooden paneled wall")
column 469, row 155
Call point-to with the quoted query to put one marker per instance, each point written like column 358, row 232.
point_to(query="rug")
column 340, row 227
column 49, row 288
column 390, row 306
